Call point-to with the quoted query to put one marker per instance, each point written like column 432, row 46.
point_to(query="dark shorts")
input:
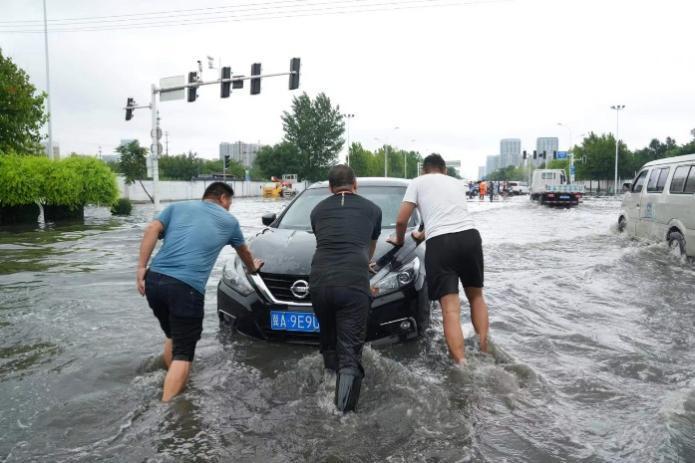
column 453, row 257
column 179, row 309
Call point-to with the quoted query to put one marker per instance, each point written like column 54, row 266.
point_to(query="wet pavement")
column 593, row 351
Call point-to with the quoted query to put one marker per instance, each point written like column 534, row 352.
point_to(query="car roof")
column 672, row 160
column 369, row 181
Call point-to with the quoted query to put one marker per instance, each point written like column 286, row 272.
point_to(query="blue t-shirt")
column 194, row 234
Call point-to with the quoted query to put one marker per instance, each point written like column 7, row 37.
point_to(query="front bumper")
column 392, row 317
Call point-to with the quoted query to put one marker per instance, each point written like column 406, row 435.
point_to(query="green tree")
column 508, row 173
column 563, row 164
column 274, row 161
column 179, row 167
column 21, row 111
column 595, row 158
column 316, row 128
column 133, row 163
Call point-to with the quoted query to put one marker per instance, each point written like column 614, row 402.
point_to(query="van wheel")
column 622, row 223
column 677, row 243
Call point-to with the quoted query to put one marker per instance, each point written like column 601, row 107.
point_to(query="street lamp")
column 405, row 160
column 617, row 109
column 570, row 151
column 348, row 117
column 386, row 157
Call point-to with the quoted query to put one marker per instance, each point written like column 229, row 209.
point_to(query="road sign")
column 562, row 155
column 172, row 95
column 160, row 149
column 159, row 133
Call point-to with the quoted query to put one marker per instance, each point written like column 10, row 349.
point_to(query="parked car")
column 660, row 203
column 276, row 305
column 518, row 188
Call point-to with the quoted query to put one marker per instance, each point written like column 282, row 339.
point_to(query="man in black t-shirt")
column 346, row 226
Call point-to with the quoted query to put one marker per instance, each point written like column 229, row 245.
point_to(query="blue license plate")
column 305, row 322
column 564, row 197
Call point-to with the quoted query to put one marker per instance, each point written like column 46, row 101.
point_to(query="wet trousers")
column 342, row 314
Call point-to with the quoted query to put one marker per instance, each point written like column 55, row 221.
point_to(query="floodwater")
column 593, row 338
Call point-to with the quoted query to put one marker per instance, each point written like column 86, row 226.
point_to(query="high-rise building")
column 481, row 172
column 492, row 164
column 243, row 153
column 510, row 152
column 547, row 144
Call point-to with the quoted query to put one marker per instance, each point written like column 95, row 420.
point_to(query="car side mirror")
column 627, row 186
column 268, row 219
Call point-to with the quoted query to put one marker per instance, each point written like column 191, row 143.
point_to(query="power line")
column 334, row 10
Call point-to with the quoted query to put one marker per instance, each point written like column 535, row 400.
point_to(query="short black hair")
column 217, row 190
column 434, row 160
column 341, row 175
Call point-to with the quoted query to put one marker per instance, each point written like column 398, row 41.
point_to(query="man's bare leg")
column 167, row 355
column 479, row 315
column 176, row 379
column 451, row 314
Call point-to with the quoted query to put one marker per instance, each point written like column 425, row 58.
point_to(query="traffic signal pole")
column 155, row 149
column 156, row 92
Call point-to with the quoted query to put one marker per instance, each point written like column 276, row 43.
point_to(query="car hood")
column 290, row 252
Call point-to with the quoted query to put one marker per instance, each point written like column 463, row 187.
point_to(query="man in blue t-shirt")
column 194, row 233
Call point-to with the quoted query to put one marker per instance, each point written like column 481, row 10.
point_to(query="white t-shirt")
column 441, row 200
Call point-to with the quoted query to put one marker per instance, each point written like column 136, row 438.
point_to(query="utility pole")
column 617, row 109
column 155, row 147
column 348, row 117
column 166, row 140
column 49, row 147
column 571, row 153
column 100, row 157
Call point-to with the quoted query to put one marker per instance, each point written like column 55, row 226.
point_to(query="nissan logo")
column 300, row 289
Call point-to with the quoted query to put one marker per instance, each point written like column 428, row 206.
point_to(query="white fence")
column 176, row 190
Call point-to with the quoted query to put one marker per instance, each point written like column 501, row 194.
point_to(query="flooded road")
column 593, row 340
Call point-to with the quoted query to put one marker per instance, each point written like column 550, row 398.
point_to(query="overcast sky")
column 454, row 79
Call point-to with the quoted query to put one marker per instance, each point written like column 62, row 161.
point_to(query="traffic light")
column 129, row 109
column 255, row 82
column 525, row 155
column 225, row 87
column 294, row 76
column 192, row 91
column 226, row 161
column 545, row 154
column 535, row 154
column 554, row 154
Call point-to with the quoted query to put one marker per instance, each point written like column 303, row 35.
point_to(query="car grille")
column 279, row 286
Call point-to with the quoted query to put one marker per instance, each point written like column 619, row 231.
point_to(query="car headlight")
column 388, row 280
column 234, row 274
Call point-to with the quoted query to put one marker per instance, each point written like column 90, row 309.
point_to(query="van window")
column 690, row 183
column 657, row 180
column 678, row 180
column 639, row 182
column 548, row 175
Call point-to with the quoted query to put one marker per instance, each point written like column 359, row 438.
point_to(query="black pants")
column 342, row 314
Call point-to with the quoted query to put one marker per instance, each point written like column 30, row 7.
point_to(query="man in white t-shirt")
column 454, row 249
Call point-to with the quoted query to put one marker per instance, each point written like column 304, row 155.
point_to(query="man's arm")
column 149, row 241
column 402, row 220
column 252, row 265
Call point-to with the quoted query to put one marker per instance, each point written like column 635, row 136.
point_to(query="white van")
column 660, row 203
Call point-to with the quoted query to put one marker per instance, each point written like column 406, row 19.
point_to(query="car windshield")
column 388, row 198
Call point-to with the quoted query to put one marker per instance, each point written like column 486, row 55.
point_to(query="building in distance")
column 510, row 152
column 481, row 172
column 243, row 153
column 492, row 164
column 547, row 144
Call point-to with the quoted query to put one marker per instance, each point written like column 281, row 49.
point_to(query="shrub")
column 97, row 181
column 21, row 179
column 122, row 207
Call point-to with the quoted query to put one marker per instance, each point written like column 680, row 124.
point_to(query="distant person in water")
column 454, row 250
column 194, row 232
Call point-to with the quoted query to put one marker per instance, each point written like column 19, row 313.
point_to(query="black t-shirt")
column 344, row 226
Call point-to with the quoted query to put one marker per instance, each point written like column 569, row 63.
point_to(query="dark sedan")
column 276, row 305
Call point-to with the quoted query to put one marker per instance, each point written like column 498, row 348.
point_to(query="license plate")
column 564, row 197
column 305, row 322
